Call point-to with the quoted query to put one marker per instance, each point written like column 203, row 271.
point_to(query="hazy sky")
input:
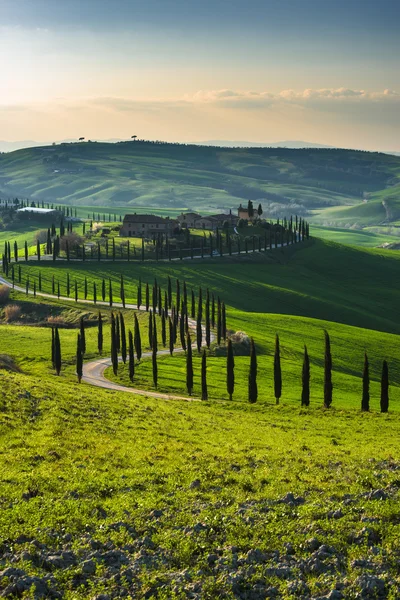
column 325, row 71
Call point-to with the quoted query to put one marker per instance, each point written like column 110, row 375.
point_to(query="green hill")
column 143, row 174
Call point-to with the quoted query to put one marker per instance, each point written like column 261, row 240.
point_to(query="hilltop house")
column 144, row 225
column 188, row 219
column 196, row 221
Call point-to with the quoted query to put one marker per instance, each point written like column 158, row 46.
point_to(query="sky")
column 323, row 71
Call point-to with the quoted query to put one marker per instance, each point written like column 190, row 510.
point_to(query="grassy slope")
column 169, row 176
column 325, row 280
column 354, row 237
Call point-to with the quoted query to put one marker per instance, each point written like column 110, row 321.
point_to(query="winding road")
column 93, row 371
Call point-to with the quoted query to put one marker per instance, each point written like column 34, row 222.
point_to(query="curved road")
column 93, row 371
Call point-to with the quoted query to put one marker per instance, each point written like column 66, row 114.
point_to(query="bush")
column 74, row 241
column 12, row 312
column 56, row 320
column 41, row 236
column 4, row 294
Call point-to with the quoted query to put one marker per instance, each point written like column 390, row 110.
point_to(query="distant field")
column 355, row 237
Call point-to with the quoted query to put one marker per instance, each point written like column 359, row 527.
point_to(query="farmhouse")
column 188, row 219
column 144, row 225
column 196, row 221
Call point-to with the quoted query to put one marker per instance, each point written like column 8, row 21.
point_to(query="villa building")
column 144, row 225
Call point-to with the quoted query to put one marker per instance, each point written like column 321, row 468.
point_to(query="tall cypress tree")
column 204, row 390
column 122, row 291
column 223, row 321
column 160, row 308
column 182, row 332
column 155, row 340
column 147, row 297
column 163, row 329
column 365, row 385
column 178, row 294
column 193, row 307
column 94, row 293
column 150, row 329
column 53, row 361
column 328, row 386
column 305, row 379
column 199, row 333
column 154, row 363
column 169, row 292
column 277, row 371
column 212, row 311
column 385, row 387
column 26, row 251
column 103, row 290
column 154, row 298
column 114, row 351
column 253, row 391
column 76, row 290
column 16, row 252
column 137, row 338
column 100, row 334
column 189, row 366
column 171, row 336
column 166, row 305
column 82, row 335
column 123, row 337
column 85, row 287
column 79, row 359
column 230, row 370
column 131, row 357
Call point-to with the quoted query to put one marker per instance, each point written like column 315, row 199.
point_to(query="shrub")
column 41, row 236
column 12, row 312
column 4, row 294
column 74, row 241
column 56, row 320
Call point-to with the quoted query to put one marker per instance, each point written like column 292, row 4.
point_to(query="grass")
column 363, row 238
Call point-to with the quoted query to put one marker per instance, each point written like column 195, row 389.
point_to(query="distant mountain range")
column 11, row 146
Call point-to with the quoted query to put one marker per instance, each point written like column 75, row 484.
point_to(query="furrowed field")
column 111, row 494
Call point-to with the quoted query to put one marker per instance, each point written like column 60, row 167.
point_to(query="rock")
column 377, row 495
column 292, row 500
column 12, row 573
column 256, row 556
column 24, row 584
column 212, row 558
column 335, row 595
column 370, row 586
column 298, row 588
column 26, row 556
column 312, row 544
column 195, row 484
column 335, row 514
column 156, row 514
column 289, row 549
column 89, row 567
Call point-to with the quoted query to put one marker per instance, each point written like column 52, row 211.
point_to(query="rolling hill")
column 144, row 174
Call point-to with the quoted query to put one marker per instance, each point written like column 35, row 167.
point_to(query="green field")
column 158, row 498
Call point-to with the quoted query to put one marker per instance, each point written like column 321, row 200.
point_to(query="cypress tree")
column 117, row 334
column 16, row 252
column 103, row 290
column 253, row 391
column 385, row 387
column 58, row 289
column 123, row 337
column 142, row 249
column 185, row 293
column 277, row 371
column 166, row 305
column 147, row 297
column 85, row 288
column 131, row 357
column 305, row 379
column 160, row 309
column 219, row 322
column 212, row 311
column 178, row 294
column 26, row 251
column 53, row 362
column 163, row 329
column 365, row 385
column 150, row 329
column 189, row 366
column 169, row 292
column 57, row 352
column 110, row 294
column 68, row 284
column 328, row 387
column 76, row 291
column 19, row 273
column 204, row 391
column 114, row 351
column 79, row 359
column 155, row 341
column 100, row 334
column 171, row 336
column 38, row 250
column 82, row 335
column 154, row 362
column 182, row 332
column 230, row 369
column 139, row 294
column 94, row 293
column 122, row 291
column 223, row 321
column 137, row 338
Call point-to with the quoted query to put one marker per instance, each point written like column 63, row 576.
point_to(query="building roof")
column 36, row 209
column 223, row 217
column 145, row 219
column 190, row 215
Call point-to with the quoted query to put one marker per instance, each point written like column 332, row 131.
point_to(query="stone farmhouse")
column 144, row 225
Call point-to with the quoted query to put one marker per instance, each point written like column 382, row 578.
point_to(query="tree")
column 57, row 351
column 53, row 362
column 85, row 287
column 131, row 357
column 171, row 336
column 38, row 249
column 204, row 390
column 155, row 340
column 250, row 209
column 82, row 336
column 178, row 294
column 100, row 334
column 169, row 292
column 123, row 337
column 79, row 359
column 305, row 378
column 154, row 363
column 117, row 334
column 137, row 338
column 230, row 369
column 212, row 311
column 182, row 332
column 94, row 293
column 365, row 385
column 277, row 371
column 26, row 251
column 385, row 387
column 223, row 321
column 150, row 328
column 163, row 329
column 139, row 294
column 110, row 294
column 253, row 391
column 219, row 322
column 259, row 210
column 147, row 297
column 114, row 351
column 103, row 290
column 16, row 252
column 328, row 386
column 189, row 366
